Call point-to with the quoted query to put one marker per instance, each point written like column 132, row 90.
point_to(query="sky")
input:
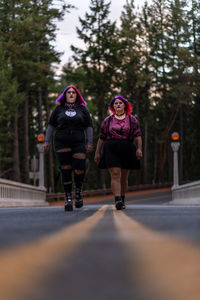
column 66, row 33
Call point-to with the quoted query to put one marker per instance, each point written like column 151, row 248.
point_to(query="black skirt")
column 119, row 154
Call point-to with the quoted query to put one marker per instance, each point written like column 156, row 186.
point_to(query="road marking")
column 166, row 267
column 23, row 267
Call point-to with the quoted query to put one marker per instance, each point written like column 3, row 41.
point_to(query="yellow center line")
column 23, row 267
column 164, row 266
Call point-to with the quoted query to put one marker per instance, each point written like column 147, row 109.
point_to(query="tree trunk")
column 40, row 127
column 102, row 179
column 165, row 136
column 51, row 171
column 155, row 161
column 181, row 145
column 145, row 152
column 26, row 140
column 16, row 165
column 50, row 179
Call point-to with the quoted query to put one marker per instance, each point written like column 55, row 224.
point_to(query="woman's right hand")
column 46, row 147
column 97, row 158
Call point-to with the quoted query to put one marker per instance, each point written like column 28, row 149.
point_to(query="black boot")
column 123, row 201
column 78, row 198
column 118, row 203
column 68, row 202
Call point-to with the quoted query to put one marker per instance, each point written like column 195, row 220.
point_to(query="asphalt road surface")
column 150, row 251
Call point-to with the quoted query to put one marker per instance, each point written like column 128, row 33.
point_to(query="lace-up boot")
column 68, row 202
column 78, row 198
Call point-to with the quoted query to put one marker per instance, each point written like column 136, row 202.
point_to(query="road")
column 150, row 251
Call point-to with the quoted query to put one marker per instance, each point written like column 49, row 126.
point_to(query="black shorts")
column 69, row 139
column 119, row 154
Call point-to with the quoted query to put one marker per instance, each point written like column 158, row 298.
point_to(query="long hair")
column 79, row 98
column 128, row 107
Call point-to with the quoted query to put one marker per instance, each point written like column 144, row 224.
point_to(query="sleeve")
column 53, row 118
column 88, row 119
column 136, row 128
column 49, row 132
column 104, row 129
column 89, row 133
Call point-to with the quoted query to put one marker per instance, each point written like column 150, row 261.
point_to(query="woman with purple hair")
column 70, row 120
column 121, row 142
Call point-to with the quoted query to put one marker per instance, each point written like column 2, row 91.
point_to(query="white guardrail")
column 186, row 194
column 13, row 194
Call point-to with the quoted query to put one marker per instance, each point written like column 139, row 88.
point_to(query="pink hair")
column 128, row 107
column 62, row 96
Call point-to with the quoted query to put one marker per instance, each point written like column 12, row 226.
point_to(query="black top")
column 70, row 116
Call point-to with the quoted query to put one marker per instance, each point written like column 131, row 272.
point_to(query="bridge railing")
column 14, row 193
column 186, row 194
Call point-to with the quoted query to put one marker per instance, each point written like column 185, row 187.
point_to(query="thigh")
column 115, row 171
column 64, row 156
column 124, row 174
column 79, row 156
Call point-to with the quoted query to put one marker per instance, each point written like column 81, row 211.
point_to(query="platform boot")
column 123, row 201
column 68, row 202
column 78, row 198
column 118, row 202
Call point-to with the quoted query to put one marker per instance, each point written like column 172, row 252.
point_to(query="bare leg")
column 124, row 181
column 115, row 174
column 116, row 186
column 124, row 185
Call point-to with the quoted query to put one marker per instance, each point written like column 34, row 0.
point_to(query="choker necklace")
column 120, row 115
column 70, row 105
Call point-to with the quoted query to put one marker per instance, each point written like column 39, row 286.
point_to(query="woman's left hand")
column 139, row 154
column 89, row 148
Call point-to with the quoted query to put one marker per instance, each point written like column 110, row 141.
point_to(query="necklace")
column 70, row 105
column 70, row 109
column 120, row 114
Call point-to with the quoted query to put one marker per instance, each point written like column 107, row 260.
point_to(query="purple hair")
column 79, row 98
column 128, row 107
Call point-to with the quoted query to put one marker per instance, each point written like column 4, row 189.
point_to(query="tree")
column 134, row 69
column 10, row 100
column 98, row 60
column 27, row 31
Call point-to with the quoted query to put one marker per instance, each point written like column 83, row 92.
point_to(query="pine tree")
column 27, row 31
column 10, row 100
column 134, row 70
column 99, row 58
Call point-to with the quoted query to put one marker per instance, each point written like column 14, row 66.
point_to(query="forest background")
column 152, row 58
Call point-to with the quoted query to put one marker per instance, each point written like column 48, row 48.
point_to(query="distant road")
column 159, row 196
column 154, row 196
column 150, row 251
